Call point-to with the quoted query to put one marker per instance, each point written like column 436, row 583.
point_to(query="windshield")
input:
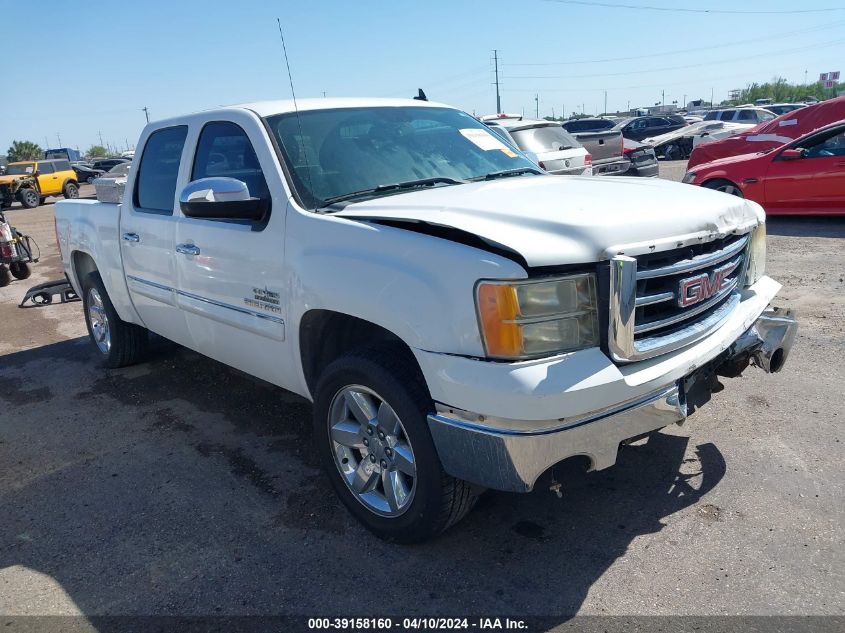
column 20, row 170
column 347, row 150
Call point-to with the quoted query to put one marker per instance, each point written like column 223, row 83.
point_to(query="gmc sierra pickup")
column 459, row 319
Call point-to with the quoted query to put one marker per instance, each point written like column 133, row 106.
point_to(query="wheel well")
column 715, row 180
column 325, row 335
column 69, row 180
column 82, row 265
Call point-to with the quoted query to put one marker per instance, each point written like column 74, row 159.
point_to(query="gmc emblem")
column 696, row 289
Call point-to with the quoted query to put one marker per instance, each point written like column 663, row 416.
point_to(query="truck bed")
column 606, row 149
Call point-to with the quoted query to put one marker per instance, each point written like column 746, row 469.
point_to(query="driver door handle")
column 131, row 237
column 188, row 249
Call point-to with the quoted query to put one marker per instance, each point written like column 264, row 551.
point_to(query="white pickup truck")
column 459, row 319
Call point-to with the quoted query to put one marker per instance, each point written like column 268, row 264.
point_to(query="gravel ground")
column 180, row 486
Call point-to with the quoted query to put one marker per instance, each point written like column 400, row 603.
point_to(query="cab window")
column 158, row 171
column 224, row 150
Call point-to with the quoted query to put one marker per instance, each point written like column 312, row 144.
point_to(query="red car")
column 805, row 176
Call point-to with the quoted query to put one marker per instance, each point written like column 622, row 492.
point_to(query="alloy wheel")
column 372, row 451
column 99, row 321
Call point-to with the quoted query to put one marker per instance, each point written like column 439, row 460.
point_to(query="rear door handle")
column 131, row 237
column 188, row 249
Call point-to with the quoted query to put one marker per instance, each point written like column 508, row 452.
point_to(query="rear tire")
column 20, row 270
column 71, row 191
column 118, row 342
column 430, row 501
column 725, row 186
column 29, row 198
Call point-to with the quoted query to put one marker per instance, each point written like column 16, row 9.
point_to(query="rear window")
column 155, row 186
column 549, row 138
column 588, row 126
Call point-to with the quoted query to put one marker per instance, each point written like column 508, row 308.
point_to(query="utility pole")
column 101, row 139
column 662, row 98
column 805, row 77
column 58, row 136
column 324, row 94
column 146, row 113
column 553, row 113
column 605, row 102
column 496, row 70
column 684, row 104
column 711, row 98
column 629, row 105
column 536, row 106
column 46, row 143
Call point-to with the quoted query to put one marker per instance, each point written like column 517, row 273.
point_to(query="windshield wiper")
column 510, row 172
column 422, row 182
column 396, row 186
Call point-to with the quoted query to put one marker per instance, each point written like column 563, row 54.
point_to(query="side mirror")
column 791, row 154
column 221, row 199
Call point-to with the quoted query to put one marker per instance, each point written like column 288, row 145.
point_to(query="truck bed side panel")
column 91, row 227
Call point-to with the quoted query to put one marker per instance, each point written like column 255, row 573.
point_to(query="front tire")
column 725, row 186
column 371, row 429
column 118, row 342
column 20, row 270
column 29, row 198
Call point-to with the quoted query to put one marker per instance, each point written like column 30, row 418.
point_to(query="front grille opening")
column 665, row 289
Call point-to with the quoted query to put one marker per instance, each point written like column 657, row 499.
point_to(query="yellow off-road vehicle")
column 31, row 181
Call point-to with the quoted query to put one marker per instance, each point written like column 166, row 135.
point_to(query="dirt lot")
column 182, row 487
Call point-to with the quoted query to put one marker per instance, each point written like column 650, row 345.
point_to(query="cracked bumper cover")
column 510, row 452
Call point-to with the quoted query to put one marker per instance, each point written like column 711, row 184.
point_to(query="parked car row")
column 577, row 147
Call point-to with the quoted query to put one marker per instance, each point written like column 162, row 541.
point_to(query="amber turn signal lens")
column 498, row 310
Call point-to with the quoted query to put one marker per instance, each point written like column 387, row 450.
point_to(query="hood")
column 727, row 161
column 10, row 178
column 559, row 220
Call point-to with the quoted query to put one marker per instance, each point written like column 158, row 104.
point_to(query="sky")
column 90, row 68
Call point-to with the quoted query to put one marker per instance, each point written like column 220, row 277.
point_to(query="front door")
column 147, row 234
column 231, row 283
column 48, row 179
column 814, row 183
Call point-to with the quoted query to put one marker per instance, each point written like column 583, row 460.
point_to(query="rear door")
column 231, row 275
column 147, row 233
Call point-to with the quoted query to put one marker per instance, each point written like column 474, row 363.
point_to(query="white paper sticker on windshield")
column 483, row 139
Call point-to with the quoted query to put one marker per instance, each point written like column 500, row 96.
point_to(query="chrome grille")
column 662, row 301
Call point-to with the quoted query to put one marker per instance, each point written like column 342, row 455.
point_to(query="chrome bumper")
column 513, row 460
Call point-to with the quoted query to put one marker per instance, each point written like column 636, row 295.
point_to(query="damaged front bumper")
column 511, row 455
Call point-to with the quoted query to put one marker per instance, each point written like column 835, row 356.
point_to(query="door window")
column 727, row 115
column 155, row 186
column 747, row 115
column 831, row 144
column 224, row 150
column 46, row 168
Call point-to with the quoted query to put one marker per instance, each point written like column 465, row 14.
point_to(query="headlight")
column 756, row 255
column 530, row 319
column 689, row 177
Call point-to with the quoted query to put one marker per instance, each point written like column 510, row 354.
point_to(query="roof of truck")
column 269, row 108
